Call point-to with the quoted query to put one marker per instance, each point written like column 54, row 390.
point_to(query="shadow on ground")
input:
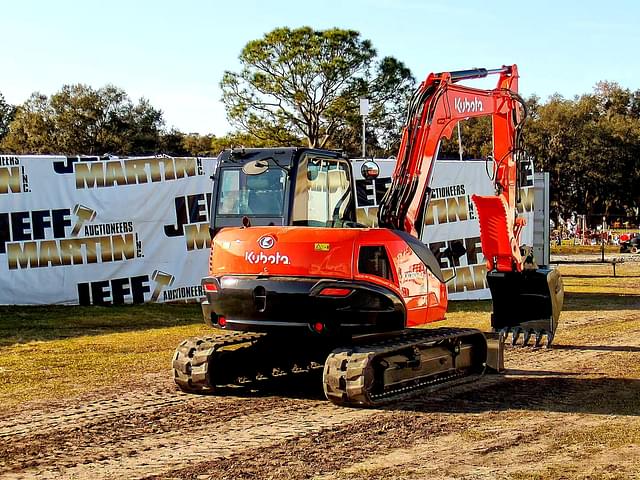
column 545, row 391
column 539, row 392
column 601, row 276
column 599, row 348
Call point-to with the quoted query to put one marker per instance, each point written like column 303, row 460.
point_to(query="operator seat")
column 265, row 194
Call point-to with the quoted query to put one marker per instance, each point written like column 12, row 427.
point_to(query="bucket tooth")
column 550, row 336
column 504, row 333
column 515, row 335
column 527, row 336
column 539, row 335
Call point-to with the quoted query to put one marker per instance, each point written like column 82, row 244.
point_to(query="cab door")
column 323, row 192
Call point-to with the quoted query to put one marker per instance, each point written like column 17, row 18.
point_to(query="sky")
column 174, row 53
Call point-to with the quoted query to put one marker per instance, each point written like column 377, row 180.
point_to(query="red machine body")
column 406, row 269
column 323, row 254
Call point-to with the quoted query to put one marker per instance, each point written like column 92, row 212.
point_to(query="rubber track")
column 192, row 359
column 200, row 365
column 346, row 372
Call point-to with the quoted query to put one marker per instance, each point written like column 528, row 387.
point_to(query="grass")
column 599, row 279
column 65, row 368
column 27, row 324
column 568, row 248
column 604, row 443
column 49, row 353
column 613, row 435
column 58, row 352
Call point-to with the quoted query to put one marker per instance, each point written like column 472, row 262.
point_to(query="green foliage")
column 591, row 147
column 304, row 84
column 198, row 145
column 389, row 91
column 171, row 143
column 30, row 131
column 476, row 140
column 81, row 120
column 261, row 139
column 177, row 143
column 7, row 112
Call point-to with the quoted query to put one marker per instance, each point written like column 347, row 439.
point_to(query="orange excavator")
column 295, row 283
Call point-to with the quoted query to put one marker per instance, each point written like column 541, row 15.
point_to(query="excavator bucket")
column 526, row 304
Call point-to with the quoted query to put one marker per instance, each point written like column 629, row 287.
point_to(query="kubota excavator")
column 295, row 283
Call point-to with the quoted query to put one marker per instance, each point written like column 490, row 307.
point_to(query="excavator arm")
column 526, row 299
column 435, row 109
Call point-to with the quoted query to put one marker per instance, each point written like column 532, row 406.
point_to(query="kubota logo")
column 275, row 259
column 462, row 105
column 266, row 241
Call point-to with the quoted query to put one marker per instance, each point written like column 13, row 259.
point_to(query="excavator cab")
column 282, row 187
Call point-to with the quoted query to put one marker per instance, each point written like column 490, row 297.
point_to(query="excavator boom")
column 435, row 109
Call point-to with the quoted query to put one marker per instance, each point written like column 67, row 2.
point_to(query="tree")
column 198, row 145
column 591, row 146
column 390, row 92
column 305, row 84
column 476, row 139
column 143, row 128
column 32, row 128
column 172, row 143
column 81, row 120
column 7, row 112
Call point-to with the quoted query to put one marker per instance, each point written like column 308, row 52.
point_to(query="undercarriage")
column 370, row 370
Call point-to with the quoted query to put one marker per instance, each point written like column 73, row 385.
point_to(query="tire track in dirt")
column 222, row 433
column 323, row 452
column 155, row 454
column 88, row 442
column 497, row 449
column 512, row 411
column 86, row 413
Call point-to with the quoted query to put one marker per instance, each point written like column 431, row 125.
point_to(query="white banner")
column 93, row 230
column 96, row 231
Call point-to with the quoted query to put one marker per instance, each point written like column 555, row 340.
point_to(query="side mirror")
column 370, row 170
column 312, row 172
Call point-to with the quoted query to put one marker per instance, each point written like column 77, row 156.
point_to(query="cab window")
column 323, row 192
column 242, row 194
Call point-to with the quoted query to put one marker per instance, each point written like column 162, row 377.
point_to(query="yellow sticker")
column 321, row 247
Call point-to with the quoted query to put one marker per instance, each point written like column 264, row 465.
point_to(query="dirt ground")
column 572, row 411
